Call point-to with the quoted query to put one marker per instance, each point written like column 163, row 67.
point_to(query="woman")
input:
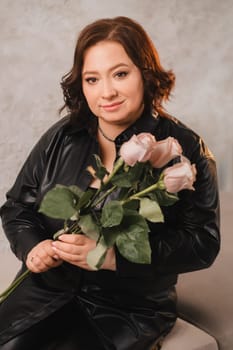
column 115, row 89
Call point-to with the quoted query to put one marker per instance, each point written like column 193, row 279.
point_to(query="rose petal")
column 180, row 176
column 137, row 149
column 164, row 151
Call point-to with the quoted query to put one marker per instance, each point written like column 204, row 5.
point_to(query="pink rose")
column 137, row 149
column 180, row 176
column 164, row 151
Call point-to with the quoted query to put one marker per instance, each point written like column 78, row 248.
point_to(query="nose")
column 108, row 89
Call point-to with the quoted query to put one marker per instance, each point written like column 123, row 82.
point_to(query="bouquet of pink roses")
column 140, row 184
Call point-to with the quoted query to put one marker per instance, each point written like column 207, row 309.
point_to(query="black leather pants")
column 66, row 329
column 100, row 323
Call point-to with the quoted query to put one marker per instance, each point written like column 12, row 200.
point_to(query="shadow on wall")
column 225, row 170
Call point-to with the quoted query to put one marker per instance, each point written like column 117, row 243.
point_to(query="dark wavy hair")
column 158, row 82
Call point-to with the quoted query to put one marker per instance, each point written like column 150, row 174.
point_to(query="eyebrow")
column 111, row 69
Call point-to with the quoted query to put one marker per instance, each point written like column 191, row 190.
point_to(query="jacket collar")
column 146, row 123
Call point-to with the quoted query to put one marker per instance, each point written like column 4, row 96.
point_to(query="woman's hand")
column 74, row 248
column 42, row 257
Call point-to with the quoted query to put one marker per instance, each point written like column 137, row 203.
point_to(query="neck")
column 104, row 135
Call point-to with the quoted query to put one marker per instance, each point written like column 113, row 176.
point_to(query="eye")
column 91, row 80
column 121, row 74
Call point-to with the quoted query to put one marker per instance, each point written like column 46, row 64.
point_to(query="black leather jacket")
column 188, row 239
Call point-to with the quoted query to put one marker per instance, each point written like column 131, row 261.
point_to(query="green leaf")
column 76, row 190
column 130, row 176
column 133, row 241
column 133, row 204
column 85, row 198
column 59, row 203
column 101, row 171
column 110, row 234
column 134, row 245
column 112, row 214
column 133, row 220
column 150, row 177
column 164, row 198
column 122, row 180
column 95, row 257
column 130, row 219
column 89, row 226
column 135, row 173
column 150, row 210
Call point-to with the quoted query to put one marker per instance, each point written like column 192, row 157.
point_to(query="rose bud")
column 137, row 149
column 180, row 176
column 164, row 151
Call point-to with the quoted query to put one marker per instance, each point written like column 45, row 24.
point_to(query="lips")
column 112, row 106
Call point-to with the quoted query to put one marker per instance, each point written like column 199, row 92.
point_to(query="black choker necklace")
column 105, row 136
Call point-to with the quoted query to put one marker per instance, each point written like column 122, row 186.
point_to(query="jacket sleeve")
column 189, row 239
column 20, row 218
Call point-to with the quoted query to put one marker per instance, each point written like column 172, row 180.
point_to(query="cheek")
column 89, row 94
column 138, row 87
column 137, row 92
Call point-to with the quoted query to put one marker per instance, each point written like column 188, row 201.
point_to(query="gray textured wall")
column 194, row 38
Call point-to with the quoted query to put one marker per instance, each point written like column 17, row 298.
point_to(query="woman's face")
column 112, row 84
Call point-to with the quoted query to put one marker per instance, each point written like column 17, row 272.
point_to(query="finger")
column 34, row 265
column 74, row 259
column 46, row 250
column 43, row 264
column 68, row 255
column 55, row 257
column 73, row 238
column 67, row 248
column 44, row 256
column 57, row 263
column 42, row 249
